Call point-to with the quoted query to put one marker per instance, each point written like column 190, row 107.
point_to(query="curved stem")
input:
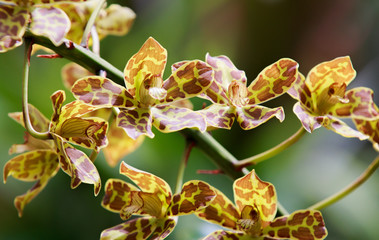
column 348, row 189
column 91, row 22
column 271, row 152
column 183, row 165
column 25, row 106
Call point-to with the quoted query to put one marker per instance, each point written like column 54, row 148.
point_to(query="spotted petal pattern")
column 115, row 20
column 117, row 195
column 227, row 235
column 136, row 122
column 302, row 224
column 136, row 229
column 250, row 190
column 13, row 21
column 252, row 116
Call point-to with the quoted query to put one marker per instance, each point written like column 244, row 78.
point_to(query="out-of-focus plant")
column 113, row 118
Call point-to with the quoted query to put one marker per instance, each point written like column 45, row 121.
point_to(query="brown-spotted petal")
column 339, row 70
column 50, row 22
column 147, row 182
column 218, row 116
column 119, row 144
column 309, row 121
column 170, row 118
column 195, row 195
column 370, row 128
column 149, row 60
column 117, row 194
column 99, row 91
column 189, row 80
column 39, row 121
column 136, row 229
column 250, row 190
column 77, row 165
column 136, row 122
column 302, row 225
column 343, row 129
column 57, row 99
column 251, row 116
column 13, row 22
column 115, row 20
column 360, row 105
column 31, row 166
column 273, row 81
column 144, row 203
column 220, row 211
column 163, row 228
column 30, row 144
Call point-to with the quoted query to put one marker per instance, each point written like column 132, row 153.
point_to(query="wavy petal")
column 220, row 211
column 88, row 132
column 32, row 165
column 136, row 122
column 147, row 182
column 30, row 144
column 51, row 22
column 115, row 20
column 369, row 128
column 77, row 165
column 343, row 129
column 254, row 115
column 99, row 91
column 195, row 195
column 13, row 24
column 117, row 194
column 57, row 99
column 273, row 81
column 308, row 121
column 39, row 121
column 252, row 191
column 302, row 224
column 339, row 70
column 170, row 118
column 163, row 228
column 189, row 80
column 360, row 105
column 219, row 116
column 150, row 59
column 136, row 229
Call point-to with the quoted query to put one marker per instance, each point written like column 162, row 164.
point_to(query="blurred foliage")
column 254, row 34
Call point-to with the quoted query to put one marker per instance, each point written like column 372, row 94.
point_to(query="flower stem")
column 271, row 152
column 348, row 189
column 25, row 106
column 91, row 22
column 183, row 165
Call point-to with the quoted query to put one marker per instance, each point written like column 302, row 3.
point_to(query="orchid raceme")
column 154, row 201
column 40, row 16
column 233, row 100
column 252, row 216
column 147, row 100
column 119, row 143
column 323, row 98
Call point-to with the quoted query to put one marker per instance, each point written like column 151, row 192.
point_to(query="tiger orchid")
column 148, row 100
column 370, row 128
column 322, row 98
column 153, row 200
column 252, row 216
column 40, row 16
column 233, row 100
column 43, row 158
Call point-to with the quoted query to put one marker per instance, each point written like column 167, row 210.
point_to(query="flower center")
column 331, row 96
column 151, row 90
column 237, row 92
column 250, row 221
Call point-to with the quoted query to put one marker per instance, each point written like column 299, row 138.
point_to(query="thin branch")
column 91, row 22
column 25, row 105
column 183, row 165
column 271, row 152
column 348, row 189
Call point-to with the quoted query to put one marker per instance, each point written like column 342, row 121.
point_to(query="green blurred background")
column 254, row 34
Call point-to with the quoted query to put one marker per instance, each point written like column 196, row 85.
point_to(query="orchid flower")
column 153, row 200
column 253, row 215
column 44, row 157
column 322, row 98
column 370, row 128
column 147, row 100
column 41, row 16
column 233, row 100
